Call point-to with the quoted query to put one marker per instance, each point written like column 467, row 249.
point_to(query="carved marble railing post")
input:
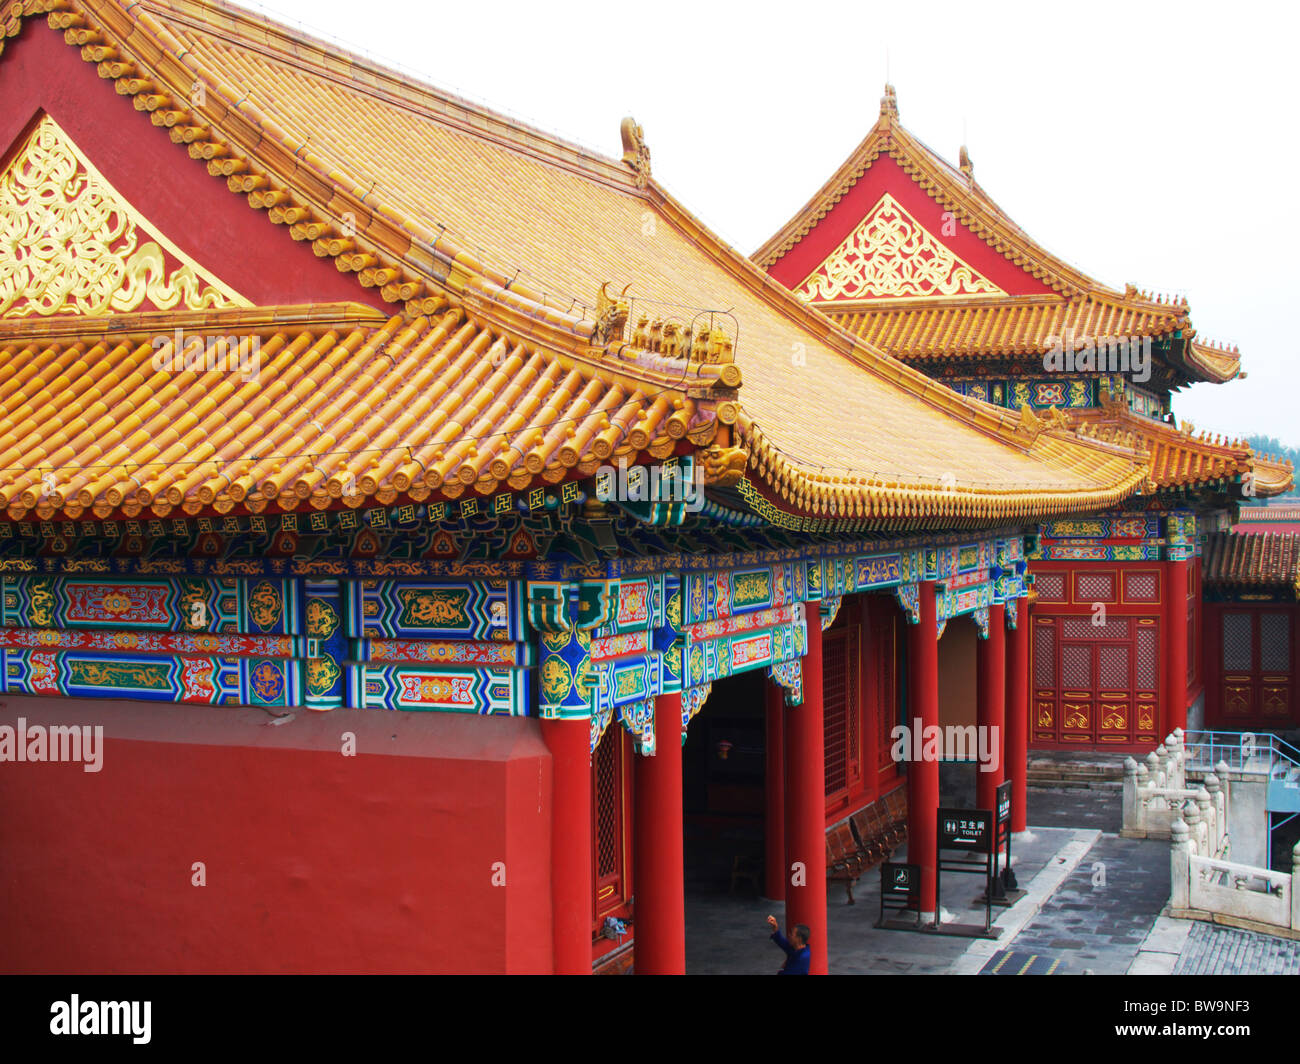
column 1218, row 801
column 1155, row 776
column 1162, row 766
column 1221, row 773
column 1180, row 866
column 1192, row 818
column 1209, row 822
column 1131, row 808
column 1295, row 887
column 1178, row 759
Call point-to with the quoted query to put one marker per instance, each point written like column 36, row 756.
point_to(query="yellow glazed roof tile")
column 511, row 235
column 1180, row 457
column 336, row 408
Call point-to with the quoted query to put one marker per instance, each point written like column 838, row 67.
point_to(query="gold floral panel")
column 890, row 255
column 1114, row 722
column 1276, row 701
column 74, row 245
column 1076, row 716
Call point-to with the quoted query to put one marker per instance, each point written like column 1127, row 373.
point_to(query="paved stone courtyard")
column 1093, row 906
column 1215, row 950
column 1099, row 917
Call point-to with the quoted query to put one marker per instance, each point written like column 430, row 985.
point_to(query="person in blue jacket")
column 797, row 954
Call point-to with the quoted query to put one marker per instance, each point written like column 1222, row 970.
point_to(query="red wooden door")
column 1255, row 654
column 1095, row 684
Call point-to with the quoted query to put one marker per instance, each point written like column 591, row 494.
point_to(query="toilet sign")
column 966, row 829
column 969, row 830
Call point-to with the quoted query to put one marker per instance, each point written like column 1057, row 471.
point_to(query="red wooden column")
column 923, row 712
column 805, row 802
column 571, row 862
column 1175, row 642
column 774, row 863
column 1017, row 745
column 658, row 865
column 991, row 704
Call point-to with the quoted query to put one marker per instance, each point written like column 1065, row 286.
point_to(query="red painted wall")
column 885, row 175
column 315, row 862
column 197, row 212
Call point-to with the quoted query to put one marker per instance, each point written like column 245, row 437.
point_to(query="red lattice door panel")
column 1255, row 659
column 610, row 838
column 1095, row 684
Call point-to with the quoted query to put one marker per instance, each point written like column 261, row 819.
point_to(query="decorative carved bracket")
column 789, row 676
column 909, row 598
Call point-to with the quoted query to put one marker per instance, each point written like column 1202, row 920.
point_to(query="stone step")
column 1099, row 773
column 1080, row 784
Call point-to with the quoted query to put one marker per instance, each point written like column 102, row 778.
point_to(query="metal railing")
column 1242, row 751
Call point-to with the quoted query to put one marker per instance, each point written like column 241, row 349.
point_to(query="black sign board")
column 971, row 831
column 900, row 889
column 900, row 878
column 966, row 829
column 1004, row 803
column 1004, row 880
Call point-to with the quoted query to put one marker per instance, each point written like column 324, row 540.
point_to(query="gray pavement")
column 1099, row 917
column 726, row 934
column 1214, row 950
column 1093, row 905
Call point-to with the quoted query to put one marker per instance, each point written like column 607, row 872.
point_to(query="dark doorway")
column 722, row 786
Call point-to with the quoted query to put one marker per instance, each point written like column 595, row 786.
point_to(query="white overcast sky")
column 1152, row 143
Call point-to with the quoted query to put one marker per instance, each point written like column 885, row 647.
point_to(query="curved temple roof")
column 924, row 330
column 1253, row 560
column 488, row 238
column 1181, row 457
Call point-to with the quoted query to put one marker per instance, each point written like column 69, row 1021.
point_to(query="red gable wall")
column 313, row 861
column 885, row 175
column 207, row 221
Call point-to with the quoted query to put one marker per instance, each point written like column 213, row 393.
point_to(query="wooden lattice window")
column 1141, row 587
column 1113, row 667
column 1147, row 658
column 1087, row 628
column 1076, row 667
column 1045, row 656
column 1238, row 642
column 1094, row 587
column 842, row 730
column 884, row 635
column 1274, row 642
column 609, row 821
column 1050, row 586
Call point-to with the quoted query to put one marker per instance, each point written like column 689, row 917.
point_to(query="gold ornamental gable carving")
column 890, row 255
column 71, row 244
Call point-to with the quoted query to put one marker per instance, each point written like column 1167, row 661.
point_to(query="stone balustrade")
column 1156, row 794
column 1210, row 888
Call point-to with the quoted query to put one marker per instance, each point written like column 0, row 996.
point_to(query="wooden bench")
column 843, row 861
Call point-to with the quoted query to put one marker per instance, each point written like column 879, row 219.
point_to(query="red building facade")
column 381, row 637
